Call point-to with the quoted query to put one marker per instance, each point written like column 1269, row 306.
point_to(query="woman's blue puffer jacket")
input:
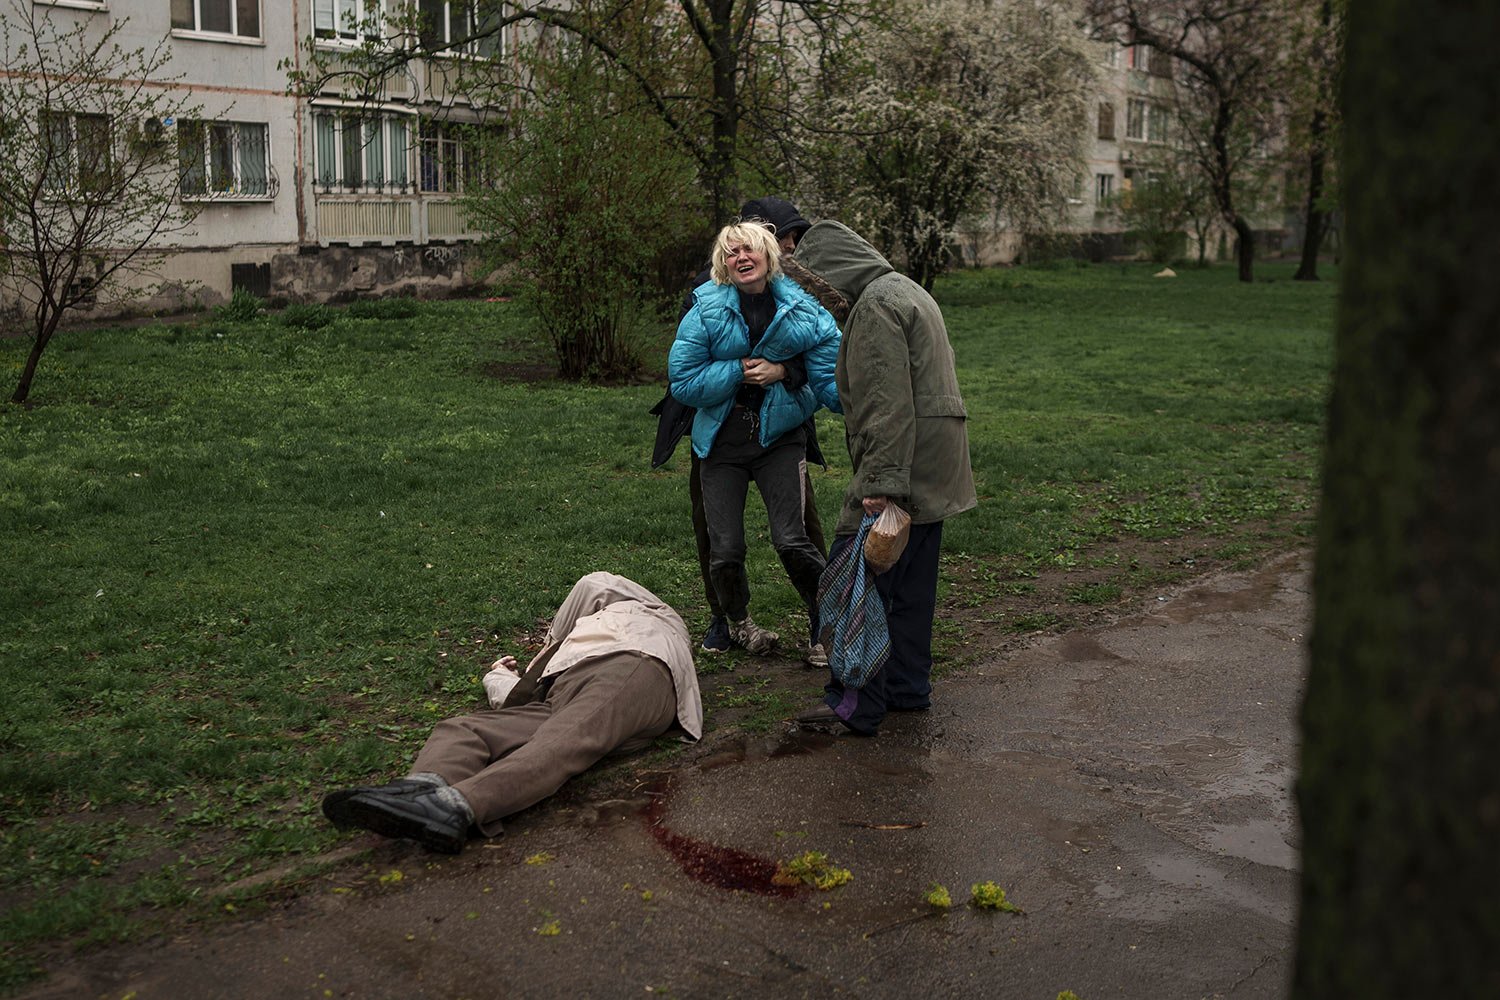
column 704, row 365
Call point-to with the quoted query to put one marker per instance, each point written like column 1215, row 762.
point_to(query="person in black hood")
column 675, row 419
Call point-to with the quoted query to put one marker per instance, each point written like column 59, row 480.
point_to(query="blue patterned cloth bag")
column 851, row 615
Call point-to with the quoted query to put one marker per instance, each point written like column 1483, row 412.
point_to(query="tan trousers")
column 506, row 759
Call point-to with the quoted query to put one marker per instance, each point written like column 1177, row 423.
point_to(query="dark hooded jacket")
column 904, row 417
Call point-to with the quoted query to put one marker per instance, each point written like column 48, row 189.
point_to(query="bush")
column 308, row 316
column 583, row 215
column 242, row 307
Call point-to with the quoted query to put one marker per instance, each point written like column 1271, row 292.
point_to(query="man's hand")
column 759, row 371
column 505, row 663
column 874, row 505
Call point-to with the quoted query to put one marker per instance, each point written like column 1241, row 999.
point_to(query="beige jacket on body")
column 606, row 613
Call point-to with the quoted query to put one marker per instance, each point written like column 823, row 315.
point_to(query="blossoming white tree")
column 967, row 108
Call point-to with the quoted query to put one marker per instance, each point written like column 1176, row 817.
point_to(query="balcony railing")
column 387, row 219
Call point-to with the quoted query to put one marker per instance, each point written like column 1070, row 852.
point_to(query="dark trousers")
column 780, row 473
column 909, row 592
column 810, row 517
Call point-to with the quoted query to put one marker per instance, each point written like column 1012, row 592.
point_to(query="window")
column 76, row 152
column 224, row 159
column 1135, row 119
column 452, row 24
column 1159, row 64
column 1106, row 120
column 1104, row 188
column 219, row 17
column 451, row 157
column 361, row 152
column 347, row 20
column 1146, row 121
column 1156, row 123
column 1138, row 57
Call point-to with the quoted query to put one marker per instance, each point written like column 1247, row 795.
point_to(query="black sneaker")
column 333, row 801
column 423, row 817
column 716, row 639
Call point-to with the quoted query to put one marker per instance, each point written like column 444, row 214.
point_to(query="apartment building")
column 1133, row 115
column 1134, row 124
column 304, row 199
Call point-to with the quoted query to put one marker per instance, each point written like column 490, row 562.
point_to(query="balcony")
column 385, row 220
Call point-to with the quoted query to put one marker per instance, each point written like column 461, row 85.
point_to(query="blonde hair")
column 754, row 235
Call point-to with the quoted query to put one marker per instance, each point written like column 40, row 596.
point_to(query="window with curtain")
column 1135, row 119
column 464, row 27
column 77, row 150
column 347, row 20
column 219, row 17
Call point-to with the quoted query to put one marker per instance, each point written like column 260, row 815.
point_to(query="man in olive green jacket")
column 906, row 429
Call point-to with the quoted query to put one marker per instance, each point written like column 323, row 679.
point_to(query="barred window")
column 361, row 152
column 451, row 157
column 220, row 159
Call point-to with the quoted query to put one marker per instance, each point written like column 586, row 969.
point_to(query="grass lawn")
column 246, row 563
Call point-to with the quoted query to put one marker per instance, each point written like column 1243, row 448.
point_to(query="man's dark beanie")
column 781, row 214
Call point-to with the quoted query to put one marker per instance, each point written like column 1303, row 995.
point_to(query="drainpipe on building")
column 297, row 116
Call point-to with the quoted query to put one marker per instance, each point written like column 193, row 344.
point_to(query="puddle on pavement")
column 1228, row 770
column 793, row 742
column 1258, row 592
column 1081, row 647
column 1258, row 840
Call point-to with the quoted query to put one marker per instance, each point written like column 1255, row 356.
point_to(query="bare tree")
column 708, row 66
column 1398, row 788
column 1230, row 53
column 961, row 108
column 87, row 165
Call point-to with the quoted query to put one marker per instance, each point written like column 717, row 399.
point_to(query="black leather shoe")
column 333, row 801
column 423, row 817
column 819, row 714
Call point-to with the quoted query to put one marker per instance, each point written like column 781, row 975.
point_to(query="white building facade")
column 301, row 199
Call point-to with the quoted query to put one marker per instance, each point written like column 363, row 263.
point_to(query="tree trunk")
column 48, row 316
column 1244, row 248
column 724, row 53
column 1313, row 225
column 23, row 388
column 1222, row 174
column 1399, row 787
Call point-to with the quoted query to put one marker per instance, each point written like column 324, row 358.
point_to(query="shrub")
column 242, row 307
column 308, row 316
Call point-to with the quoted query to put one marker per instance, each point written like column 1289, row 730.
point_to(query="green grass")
column 249, row 561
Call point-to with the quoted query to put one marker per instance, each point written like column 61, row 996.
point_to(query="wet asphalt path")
column 1128, row 786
